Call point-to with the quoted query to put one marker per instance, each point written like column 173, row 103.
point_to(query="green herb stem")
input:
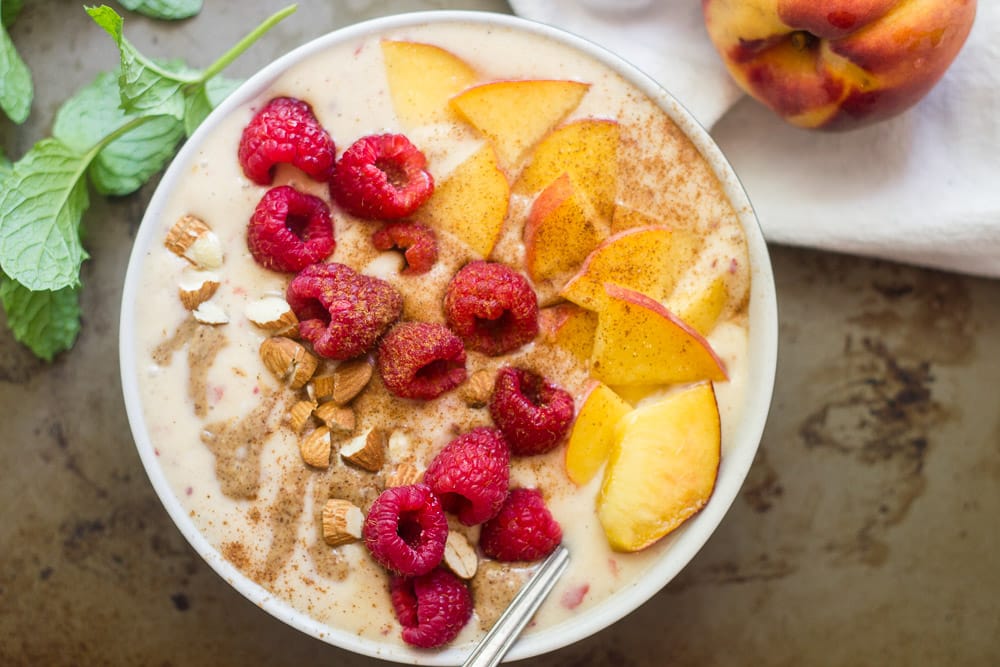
column 245, row 43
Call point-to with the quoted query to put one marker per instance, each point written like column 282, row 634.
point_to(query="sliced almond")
column 316, row 447
column 460, row 557
column 478, row 389
column 405, row 474
column 349, row 379
column 322, row 387
column 274, row 315
column 196, row 287
column 288, row 360
column 195, row 241
column 210, row 313
column 367, row 450
column 339, row 419
column 299, row 415
column 342, row 522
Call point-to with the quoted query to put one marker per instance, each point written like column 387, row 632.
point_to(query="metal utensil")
column 494, row 646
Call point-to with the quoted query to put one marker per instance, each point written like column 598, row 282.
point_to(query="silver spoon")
column 494, row 646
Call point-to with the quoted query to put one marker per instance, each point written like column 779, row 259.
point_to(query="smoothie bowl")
column 425, row 298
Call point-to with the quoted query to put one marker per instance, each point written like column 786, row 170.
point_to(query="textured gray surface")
column 866, row 532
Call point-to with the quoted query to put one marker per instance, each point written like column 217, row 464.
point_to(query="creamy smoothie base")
column 216, row 416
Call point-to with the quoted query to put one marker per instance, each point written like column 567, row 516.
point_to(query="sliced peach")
column 471, row 203
column 422, row 78
column 587, row 150
column 638, row 341
column 662, row 468
column 570, row 327
column 646, row 259
column 559, row 232
column 593, row 432
column 515, row 115
column 700, row 306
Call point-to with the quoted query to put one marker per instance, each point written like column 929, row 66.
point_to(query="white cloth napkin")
column 921, row 188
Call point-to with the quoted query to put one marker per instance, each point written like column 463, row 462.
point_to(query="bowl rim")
column 762, row 353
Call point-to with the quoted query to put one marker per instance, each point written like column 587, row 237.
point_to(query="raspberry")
column 341, row 312
column 421, row 360
column 417, row 241
column 492, row 307
column 406, row 529
column 432, row 608
column 381, row 177
column 289, row 230
column 531, row 412
column 470, row 475
column 285, row 130
column 524, row 530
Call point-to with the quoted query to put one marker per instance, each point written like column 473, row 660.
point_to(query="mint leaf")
column 123, row 165
column 145, row 86
column 164, row 9
column 16, row 89
column 204, row 99
column 9, row 11
column 41, row 204
column 47, row 322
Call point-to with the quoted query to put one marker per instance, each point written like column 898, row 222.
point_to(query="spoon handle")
column 494, row 646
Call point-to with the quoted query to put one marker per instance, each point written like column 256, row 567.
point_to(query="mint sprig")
column 44, row 195
column 16, row 88
column 170, row 10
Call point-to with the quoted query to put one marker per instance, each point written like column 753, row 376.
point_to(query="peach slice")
column 559, row 232
column 471, row 203
column 570, row 327
column 515, row 115
column 646, row 259
column 638, row 341
column 593, row 432
column 662, row 468
column 700, row 307
column 422, row 78
column 587, row 150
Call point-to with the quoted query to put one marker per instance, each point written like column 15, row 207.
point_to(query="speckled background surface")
column 866, row 532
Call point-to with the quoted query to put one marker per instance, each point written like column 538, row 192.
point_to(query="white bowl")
column 739, row 454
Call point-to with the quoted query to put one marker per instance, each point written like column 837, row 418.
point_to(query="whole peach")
column 838, row 64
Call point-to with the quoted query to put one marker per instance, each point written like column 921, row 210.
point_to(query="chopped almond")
column 366, row 451
column 195, row 241
column 274, row 315
column 210, row 313
column 288, row 360
column 316, row 447
column 459, row 556
column 342, row 522
column 349, row 379
column 477, row 390
column 196, row 287
column 299, row 415
column 405, row 474
column 339, row 419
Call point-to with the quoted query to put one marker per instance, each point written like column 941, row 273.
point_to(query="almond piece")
column 316, row 447
column 478, row 389
column 322, row 387
column 196, row 287
column 339, row 419
column 459, row 556
column 405, row 474
column 349, row 378
column 195, row 241
column 366, row 451
column 299, row 415
column 288, row 360
column 274, row 315
column 210, row 313
column 400, row 447
column 342, row 522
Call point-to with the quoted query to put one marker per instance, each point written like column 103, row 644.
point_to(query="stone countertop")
column 866, row 531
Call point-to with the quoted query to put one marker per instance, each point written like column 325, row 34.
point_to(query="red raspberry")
column 432, row 608
column 341, row 312
column 531, row 412
column 289, row 230
column 524, row 530
column 421, row 360
column 285, row 130
column 470, row 475
column 381, row 177
column 406, row 529
column 492, row 307
column 417, row 241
